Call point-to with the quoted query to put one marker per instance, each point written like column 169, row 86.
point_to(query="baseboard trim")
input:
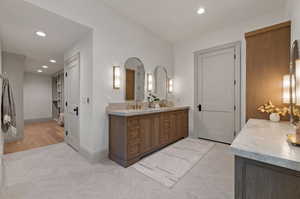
column 93, row 158
column 10, row 139
column 30, row 121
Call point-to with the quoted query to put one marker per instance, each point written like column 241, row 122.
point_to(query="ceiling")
column 18, row 23
column 176, row 20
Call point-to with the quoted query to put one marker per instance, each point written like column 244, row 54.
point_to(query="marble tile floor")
column 58, row 172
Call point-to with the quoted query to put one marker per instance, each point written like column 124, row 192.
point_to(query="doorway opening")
column 34, row 55
column 217, row 92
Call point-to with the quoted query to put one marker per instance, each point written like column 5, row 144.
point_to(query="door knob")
column 76, row 110
column 200, row 107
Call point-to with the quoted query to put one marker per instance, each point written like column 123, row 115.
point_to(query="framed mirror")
column 134, row 79
column 161, row 82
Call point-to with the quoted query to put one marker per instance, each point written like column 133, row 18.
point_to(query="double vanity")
column 147, row 120
column 134, row 134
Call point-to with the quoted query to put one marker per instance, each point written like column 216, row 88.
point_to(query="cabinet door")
column 181, row 124
column 174, row 133
column 146, row 123
column 155, row 131
column 165, row 128
column 185, row 124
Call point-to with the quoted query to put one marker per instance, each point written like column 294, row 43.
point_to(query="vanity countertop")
column 265, row 141
column 135, row 112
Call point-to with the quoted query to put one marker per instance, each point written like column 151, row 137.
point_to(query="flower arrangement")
column 270, row 108
column 152, row 98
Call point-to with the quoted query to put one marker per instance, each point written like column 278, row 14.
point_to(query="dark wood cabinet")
column 131, row 138
column 257, row 180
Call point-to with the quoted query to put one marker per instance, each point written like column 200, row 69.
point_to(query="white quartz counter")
column 133, row 112
column 265, row 141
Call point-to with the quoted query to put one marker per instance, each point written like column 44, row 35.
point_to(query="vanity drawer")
column 132, row 142
column 133, row 122
column 133, row 151
column 134, row 133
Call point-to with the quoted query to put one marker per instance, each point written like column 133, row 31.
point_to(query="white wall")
column 115, row 39
column 184, row 59
column 13, row 68
column 293, row 9
column 37, row 97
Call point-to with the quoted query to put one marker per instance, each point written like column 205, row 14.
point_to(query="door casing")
column 237, row 97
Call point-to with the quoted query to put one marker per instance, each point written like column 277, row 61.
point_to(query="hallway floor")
column 37, row 135
column 57, row 171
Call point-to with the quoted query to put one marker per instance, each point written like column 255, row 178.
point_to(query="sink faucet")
column 137, row 105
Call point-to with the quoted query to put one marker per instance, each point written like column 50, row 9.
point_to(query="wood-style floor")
column 37, row 135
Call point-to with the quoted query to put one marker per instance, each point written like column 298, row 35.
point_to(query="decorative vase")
column 157, row 105
column 274, row 117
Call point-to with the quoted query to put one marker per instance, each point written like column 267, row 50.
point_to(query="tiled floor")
column 57, row 172
column 36, row 135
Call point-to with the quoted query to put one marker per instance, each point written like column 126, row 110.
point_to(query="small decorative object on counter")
column 273, row 111
column 274, row 117
column 294, row 138
column 153, row 101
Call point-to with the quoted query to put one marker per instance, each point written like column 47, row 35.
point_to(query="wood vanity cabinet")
column 131, row 138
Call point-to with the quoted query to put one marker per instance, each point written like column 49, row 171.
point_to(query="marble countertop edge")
column 267, row 158
column 128, row 112
column 264, row 141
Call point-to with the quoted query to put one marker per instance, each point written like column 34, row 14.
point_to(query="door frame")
column 66, row 62
column 237, row 90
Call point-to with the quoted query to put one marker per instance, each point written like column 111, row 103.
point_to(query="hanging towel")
column 8, row 112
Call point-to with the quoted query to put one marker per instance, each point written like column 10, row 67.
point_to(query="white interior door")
column 72, row 98
column 216, row 106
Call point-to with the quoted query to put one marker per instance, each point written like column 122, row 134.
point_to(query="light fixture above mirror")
column 116, row 77
column 149, row 82
column 170, row 86
column 286, row 89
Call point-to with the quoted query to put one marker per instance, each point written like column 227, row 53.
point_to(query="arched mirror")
column 161, row 82
column 135, row 79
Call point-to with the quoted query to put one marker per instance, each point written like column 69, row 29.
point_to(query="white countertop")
column 133, row 112
column 265, row 141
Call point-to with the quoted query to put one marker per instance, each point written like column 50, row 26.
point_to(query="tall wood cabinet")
column 268, row 57
column 131, row 138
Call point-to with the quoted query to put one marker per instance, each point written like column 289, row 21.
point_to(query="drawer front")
column 133, row 142
column 134, row 133
column 133, row 151
column 133, row 122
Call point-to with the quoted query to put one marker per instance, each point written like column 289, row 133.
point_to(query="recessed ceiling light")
column 39, row 71
column 52, row 61
column 201, row 11
column 41, row 34
column 45, row 66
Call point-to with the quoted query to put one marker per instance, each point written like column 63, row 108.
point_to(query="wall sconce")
column 170, row 86
column 149, row 82
column 116, row 77
column 286, row 89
